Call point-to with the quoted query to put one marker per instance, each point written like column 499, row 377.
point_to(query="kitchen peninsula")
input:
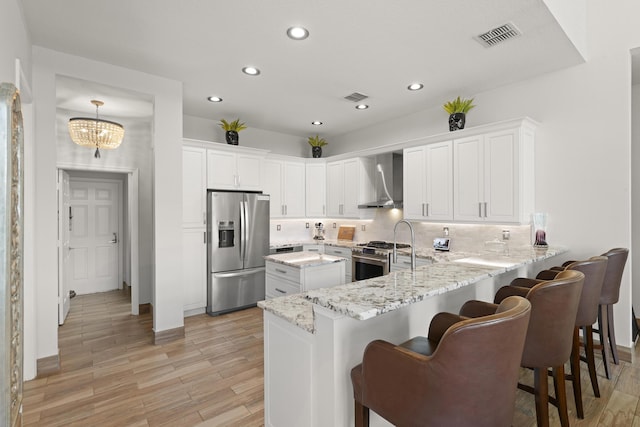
column 313, row 339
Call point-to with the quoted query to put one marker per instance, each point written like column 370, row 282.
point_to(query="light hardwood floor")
column 113, row 376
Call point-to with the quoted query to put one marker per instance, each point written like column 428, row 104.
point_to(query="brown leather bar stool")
column 594, row 270
column 609, row 296
column 554, row 305
column 465, row 373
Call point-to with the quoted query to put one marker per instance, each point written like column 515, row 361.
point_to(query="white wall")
column 166, row 188
column 15, row 44
column 635, row 185
column 279, row 143
column 583, row 146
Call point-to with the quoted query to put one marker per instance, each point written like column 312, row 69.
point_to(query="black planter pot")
column 316, row 151
column 232, row 137
column 456, row 121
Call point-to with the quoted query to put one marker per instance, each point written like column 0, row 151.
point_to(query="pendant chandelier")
column 96, row 132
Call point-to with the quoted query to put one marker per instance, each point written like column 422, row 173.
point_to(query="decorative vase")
column 316, row 151
column 232, row 137
column 456, row 121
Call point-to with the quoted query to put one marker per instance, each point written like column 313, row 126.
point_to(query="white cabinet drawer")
column 283, row 271
column 337, row 251
column 276, row 287
column 313, row 248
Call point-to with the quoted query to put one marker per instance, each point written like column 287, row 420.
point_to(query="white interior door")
column 64, row 214
column 94, row 236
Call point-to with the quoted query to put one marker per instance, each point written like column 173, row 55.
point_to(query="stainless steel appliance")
column 237, row 240
column 372, row 259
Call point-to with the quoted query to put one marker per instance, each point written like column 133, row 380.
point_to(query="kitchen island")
column 313, row 339
column 295, row 272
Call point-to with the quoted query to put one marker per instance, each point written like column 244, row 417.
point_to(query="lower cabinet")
column 284, row 280
column 194, row 271
column 344, row 253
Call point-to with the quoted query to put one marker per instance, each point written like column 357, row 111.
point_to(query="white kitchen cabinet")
column 194, row 187
column 229, row 170
column 284, row 181
column 494, row 176
column 194, row 271
column 349, row 183
column 282, row 280
column 428, row 182
column 344, row 253
column 316, row 190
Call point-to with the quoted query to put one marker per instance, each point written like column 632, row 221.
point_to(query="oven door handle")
column 375, row 260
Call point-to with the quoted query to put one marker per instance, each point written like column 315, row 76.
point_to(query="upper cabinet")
column 194, row 187
column 284, row 181
column 234, row 169
column 316, row 189
column 494, row 176
column 428, row 182
column 349, row 183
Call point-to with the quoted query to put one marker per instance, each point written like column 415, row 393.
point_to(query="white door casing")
column 64, row 214
column 94, row 261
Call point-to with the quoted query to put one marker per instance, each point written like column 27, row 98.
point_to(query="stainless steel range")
column 372, row 259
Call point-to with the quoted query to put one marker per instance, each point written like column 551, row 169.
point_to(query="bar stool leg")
column 612, row 334
column 541, row 392
column 603, row 333
column 575, row 373
column 561, row 395
column 587, row 332
column 362, row 415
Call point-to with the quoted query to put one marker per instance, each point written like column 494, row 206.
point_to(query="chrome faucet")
column 413, row 244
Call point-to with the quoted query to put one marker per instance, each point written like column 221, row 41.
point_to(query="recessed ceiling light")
column 297, row 33
column 362, row 107
column 214, row 99
column 415, row 86
column 252, row 71
column 316, row 122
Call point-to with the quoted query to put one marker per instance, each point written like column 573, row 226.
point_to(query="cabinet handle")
column 204, row 217
column 427, row 208
column 281, row 291
column 205, row 237
column 281, row 271
column 423, row 210
column 281, row 209
column 480, row 209
column 285, row 209
column 485, row 209
column 313, row 250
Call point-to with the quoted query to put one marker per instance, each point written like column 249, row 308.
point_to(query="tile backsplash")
column 464, row 237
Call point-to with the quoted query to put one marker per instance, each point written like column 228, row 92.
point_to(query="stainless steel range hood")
column 388, row 182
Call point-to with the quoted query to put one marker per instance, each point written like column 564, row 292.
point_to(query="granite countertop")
column 369, row 298
column 303, row 259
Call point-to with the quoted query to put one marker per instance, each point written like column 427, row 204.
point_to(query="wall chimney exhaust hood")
column 388, row 176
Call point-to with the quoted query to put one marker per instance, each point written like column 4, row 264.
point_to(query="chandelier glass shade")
column 98, row 133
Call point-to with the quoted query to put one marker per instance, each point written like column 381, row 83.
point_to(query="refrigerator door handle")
column 239, row 273
column 243, row 230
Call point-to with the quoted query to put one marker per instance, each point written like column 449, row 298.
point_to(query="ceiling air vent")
column 498, row 35
column 356, row 97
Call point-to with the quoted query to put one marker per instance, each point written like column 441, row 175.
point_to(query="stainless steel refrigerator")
column 237, row 241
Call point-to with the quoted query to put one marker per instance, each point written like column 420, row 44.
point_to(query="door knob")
column 115, row 238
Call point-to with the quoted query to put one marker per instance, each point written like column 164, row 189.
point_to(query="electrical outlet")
column 334, row 225
column 506, row 234
column 364, row 227
column 445, row 231
column 306, row 225
column 278, row 227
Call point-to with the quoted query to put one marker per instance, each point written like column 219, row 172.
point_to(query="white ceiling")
column 376, row 47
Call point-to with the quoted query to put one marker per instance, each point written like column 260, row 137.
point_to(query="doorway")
column 98, row 249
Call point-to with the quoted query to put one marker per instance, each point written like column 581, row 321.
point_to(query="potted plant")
column 457, row 109
column 231, row 130
column 316, row 144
